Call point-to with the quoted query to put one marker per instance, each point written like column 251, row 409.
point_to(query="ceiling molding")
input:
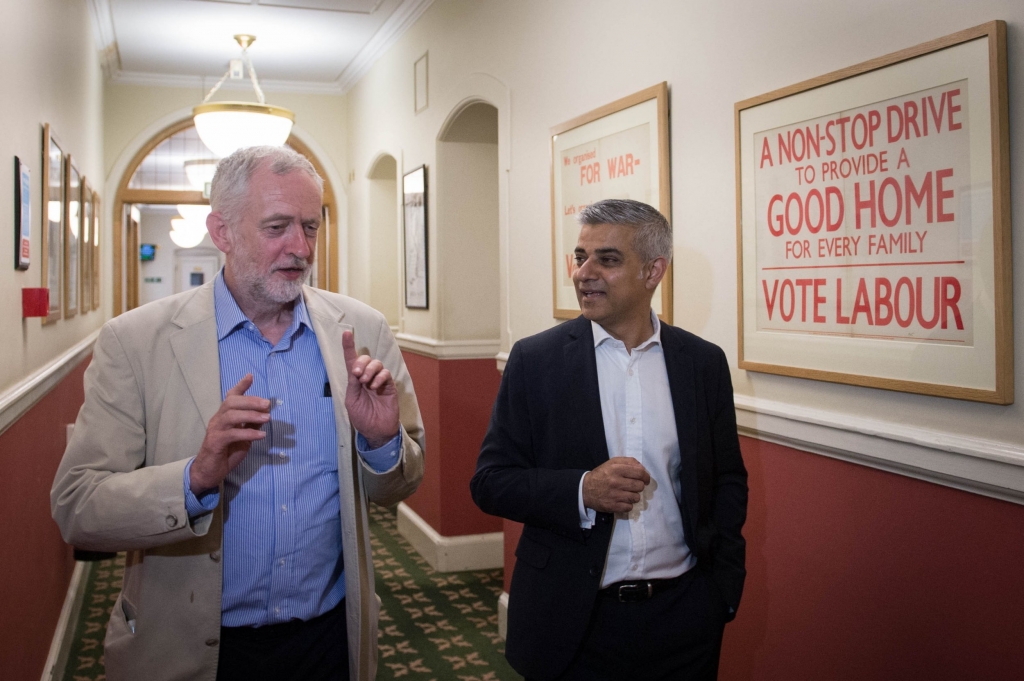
column 203, row 83
column 404, row 16
column 106, row 38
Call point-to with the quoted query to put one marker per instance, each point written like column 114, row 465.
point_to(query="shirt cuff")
column 204, row 503
column 385, row 457
column 587, row 515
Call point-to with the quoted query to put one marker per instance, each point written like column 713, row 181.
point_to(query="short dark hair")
column 652, row 235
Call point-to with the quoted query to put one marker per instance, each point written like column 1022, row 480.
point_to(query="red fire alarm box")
column 35, row 302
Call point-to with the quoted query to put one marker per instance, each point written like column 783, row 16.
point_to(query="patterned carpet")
column 434, row 626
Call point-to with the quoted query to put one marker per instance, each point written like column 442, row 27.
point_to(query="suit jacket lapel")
column 328, row 325
column 683, row 387
column 195, row 349
column 583, row 405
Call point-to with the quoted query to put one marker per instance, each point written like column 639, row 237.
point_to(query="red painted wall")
column 37, row 564
column 455, row 398
column 857, row 574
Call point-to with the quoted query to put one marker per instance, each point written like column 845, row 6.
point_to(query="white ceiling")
column 301, row 45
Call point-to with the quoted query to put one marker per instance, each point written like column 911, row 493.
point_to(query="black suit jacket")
column 546, row 430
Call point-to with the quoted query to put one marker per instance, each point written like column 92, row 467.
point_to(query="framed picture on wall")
column 414, row 196
column 873, row 219
column 621, row 151
column 22, row 214
column 52, row 251
column 94, row 251
column 72, row 237
column 85, row 251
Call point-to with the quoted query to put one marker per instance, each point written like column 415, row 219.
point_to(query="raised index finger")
column 348, row 344
column 240, row 387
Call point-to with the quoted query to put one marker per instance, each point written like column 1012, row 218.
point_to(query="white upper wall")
column 51, row 74
column 561, row 59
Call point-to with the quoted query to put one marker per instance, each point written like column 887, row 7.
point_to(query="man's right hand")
column 615, row 485
column 230, row 433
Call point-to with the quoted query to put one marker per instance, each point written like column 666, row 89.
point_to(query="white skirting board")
column 451, row 554
column 503, row 615
column 61, row 643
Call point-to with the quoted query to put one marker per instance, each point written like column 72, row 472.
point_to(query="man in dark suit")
column 613, row 440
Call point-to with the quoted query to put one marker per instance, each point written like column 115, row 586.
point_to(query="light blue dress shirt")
column 282, row 528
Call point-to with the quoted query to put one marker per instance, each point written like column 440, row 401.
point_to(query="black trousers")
column 676, row 634
column 314, row 650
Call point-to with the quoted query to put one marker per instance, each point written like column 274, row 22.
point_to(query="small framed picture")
column 414, row 192
column 421, row 83
column 22, row 214
column 94, row 251
column 52, row 251
column 72, row 237
column 85, row 250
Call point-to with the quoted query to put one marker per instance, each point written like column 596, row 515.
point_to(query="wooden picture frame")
column 620, row 150
column 22, row 215
column 417, row 265
column 51, row 256
column 421, row 83
column 85, row 251
column 873, row 223
column 72, row 238
column 94, row 251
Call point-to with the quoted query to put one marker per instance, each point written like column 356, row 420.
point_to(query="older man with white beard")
column 230, row 439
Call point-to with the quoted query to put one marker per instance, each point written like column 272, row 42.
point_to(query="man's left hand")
column 371, row 398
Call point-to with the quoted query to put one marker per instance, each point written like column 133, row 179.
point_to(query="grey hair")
column 652, row 235
column 230, row 187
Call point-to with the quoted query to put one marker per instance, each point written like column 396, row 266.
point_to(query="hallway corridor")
column 433, row 625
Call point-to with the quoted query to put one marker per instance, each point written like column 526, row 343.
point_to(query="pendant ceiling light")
column 227, row 126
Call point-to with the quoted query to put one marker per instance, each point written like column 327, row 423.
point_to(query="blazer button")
column 593, row 571
column 172, row 521
column 212, row 642
column 215, row 556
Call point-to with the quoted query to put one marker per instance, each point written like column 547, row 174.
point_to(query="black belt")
column 632, row 592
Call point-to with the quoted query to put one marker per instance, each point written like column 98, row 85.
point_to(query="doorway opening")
column 156, row 181
column 467, row 225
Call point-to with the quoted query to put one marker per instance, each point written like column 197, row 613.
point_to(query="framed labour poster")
column 873, row 219
column 619, row 151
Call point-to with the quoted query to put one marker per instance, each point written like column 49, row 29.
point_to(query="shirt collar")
column 230, row 316
column 600, row 335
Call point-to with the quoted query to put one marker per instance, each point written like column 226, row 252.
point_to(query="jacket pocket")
column 532, row 552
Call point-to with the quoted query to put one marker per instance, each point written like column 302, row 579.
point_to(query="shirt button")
column 215, row 556
column 172, row 521
column 212, row 642
column 284, row 508
column 630, row 372
column 280, row 402
column 281, row 562
column 277, row 610
column 281, row 455
column 593, row 571
column 632, row 420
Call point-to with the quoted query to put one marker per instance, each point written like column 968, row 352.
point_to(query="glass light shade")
column 186, row 239
column 186, row 234
column 227, row 126
column 193, row 212
column 200, row 172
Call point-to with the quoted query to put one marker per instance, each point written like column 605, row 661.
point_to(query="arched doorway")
column 467, row 224
column 383, row 205
column 156, row 177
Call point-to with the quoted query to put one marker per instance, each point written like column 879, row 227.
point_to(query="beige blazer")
column 152, row 386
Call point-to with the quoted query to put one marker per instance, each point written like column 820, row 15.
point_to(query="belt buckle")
column 638, row 591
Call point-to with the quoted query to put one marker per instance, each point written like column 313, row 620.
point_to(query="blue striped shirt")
column 282, row 530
